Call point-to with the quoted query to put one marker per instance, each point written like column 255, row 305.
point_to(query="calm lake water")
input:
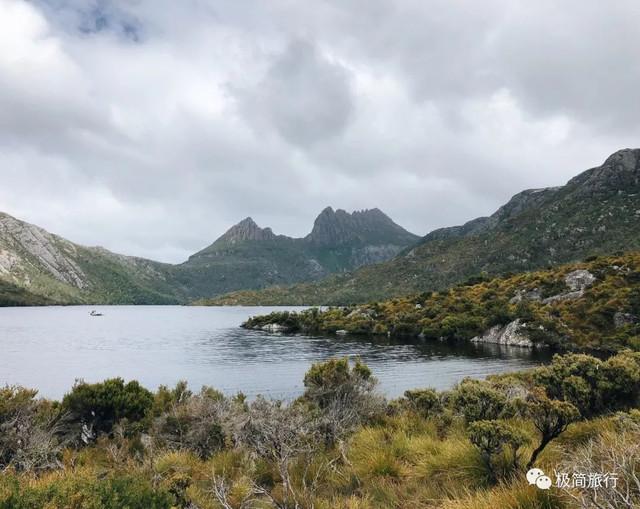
column 47, row 348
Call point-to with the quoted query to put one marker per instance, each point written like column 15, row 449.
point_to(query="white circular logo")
column 533, row 474
column 543, row 482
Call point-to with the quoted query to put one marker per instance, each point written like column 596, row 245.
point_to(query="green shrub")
column 82, row 491
column 478, row 401
column 550, row 417
column 104, row 404
column 493, row 438
column 423, row 401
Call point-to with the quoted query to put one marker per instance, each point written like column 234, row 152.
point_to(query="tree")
column 550, row 417
column 492, row 438
column 479, row 401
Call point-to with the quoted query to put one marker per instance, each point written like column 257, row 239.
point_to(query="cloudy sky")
column 150, row 126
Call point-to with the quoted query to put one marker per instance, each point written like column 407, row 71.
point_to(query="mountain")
column 38, row 267
column 597, row 212
column 45, row 268
column 250, row 257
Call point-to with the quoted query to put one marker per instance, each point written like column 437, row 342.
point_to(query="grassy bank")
column 340, row 445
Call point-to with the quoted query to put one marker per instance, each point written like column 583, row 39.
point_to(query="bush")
column 591, row 385
column 28, row 431
column 493, row 438
column 344, row 397
column 616, row 452
column 194, row 424
column 423, row 401
column 478, row 401
column 102, row 405
column 550, row 417
column 325, row 381
column 82, row 490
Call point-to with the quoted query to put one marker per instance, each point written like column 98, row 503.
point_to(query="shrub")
column 493, row 438
column 550, row 417
column 423, row 401
column 194, row 424
column 478, row 401
column 28, row 431
column 82, row 490
column 101, row 405
column 343, row 395
column 616, row 452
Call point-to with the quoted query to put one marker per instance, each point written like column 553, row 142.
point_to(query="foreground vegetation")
column 593, row 304
column 340, row 445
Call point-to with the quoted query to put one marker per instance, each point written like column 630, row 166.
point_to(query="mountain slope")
column 592, row 304
column 597, row 212
column 51, row 269
column 250, row 257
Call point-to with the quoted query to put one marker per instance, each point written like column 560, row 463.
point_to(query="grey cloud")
column 434, row 111
column 304, row 96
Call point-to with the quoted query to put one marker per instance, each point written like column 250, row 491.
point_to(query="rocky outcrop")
column 526, row 295
column 247, row 229
column 274, row 327
column 361, row 227
column 512, row 334
column 577, row 281
column 24, row 246
column 623, row 319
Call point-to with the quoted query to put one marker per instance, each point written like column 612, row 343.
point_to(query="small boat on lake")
column 95, row 313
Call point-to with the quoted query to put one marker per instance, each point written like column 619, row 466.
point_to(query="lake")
column 47, row 348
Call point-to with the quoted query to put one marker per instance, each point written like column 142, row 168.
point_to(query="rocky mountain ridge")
column 50, row 267
column 597, row 212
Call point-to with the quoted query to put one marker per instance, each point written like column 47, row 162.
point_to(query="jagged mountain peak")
column 247, row 229
column 338, row 226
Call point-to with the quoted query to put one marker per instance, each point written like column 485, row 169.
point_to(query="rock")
column 274, row 327
column 512, row 334
column 361, row 313
column 246, row 229
column 579, row 280
column 564, row 296
column 526, row 295
column 621, row 319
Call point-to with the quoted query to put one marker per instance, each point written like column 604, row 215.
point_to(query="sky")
column 149, row 127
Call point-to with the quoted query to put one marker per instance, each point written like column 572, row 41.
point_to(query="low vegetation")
column 12, row 295
column 594, row 304
column 339, row 445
